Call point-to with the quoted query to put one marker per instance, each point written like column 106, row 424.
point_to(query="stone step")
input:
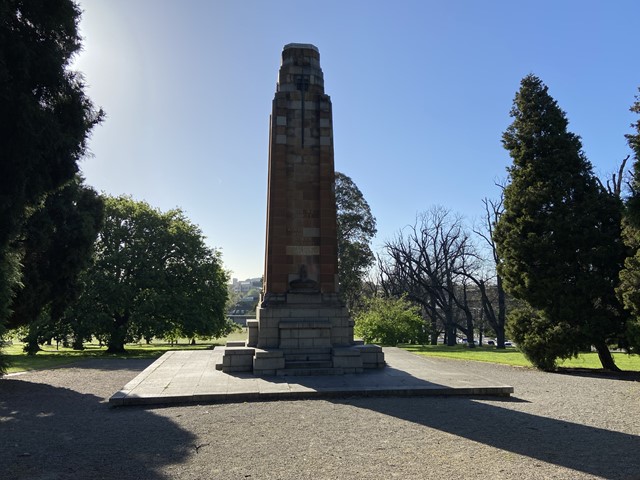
column 305, row 351
column 308, row 357
column 300, row 372
column 307, row 364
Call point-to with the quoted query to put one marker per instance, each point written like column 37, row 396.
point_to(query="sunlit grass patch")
column 511, row 356
column 508, row 356
column 51, row 356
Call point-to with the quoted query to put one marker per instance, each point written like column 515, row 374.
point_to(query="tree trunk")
column 78, row 343
column 434, row 322
column 115, row 348
column 471, row 341
column 606, row 359
column 502, row 314
column 31, row 346
column 433, row 334
column 118, row 335
column 451, row 334
column 500, row 338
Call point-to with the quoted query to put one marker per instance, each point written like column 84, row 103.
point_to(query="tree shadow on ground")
column 93, row 363
column 111, row 364
column 57, row 433
column 596, row 451
column 599, row 373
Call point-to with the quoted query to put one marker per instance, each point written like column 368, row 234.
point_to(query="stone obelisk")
column 302, row 327
column 301, row 247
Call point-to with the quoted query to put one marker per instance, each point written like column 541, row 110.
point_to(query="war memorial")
column 301, row 344
column 302, row 327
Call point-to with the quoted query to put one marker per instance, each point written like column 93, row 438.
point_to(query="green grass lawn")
column 50, row 357
column 511, row 356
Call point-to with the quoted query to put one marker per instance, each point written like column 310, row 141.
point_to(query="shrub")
column 540, row 340
column 390, row 321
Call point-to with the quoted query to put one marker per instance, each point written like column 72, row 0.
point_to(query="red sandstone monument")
column 302, row 327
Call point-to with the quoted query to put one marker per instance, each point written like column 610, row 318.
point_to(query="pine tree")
column 629, row 289
column 559, row 236
column 56, row 245
column 45, row 118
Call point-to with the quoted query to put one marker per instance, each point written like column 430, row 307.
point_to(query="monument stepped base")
column 301, row 362
column 187, row 377
column 301, row 334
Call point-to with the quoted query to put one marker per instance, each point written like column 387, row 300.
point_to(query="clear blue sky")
column 421, row 94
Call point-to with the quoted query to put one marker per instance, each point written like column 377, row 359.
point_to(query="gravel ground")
column 57, row 424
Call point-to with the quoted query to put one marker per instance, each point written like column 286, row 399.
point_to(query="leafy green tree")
column 390, row 321
column 153, row 275
column 356, row 229
column 57, row 242
column 45, row 117
column 629, row 290
column 559, row 237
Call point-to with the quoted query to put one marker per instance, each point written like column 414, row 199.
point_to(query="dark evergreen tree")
column 559, row 236
column 56, row 244
column 633, row 202
column 629, row 290
column 356, row 228
column 45, row 116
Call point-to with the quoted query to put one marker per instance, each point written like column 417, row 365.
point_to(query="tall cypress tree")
column 629, row 289
column 559, row 236
column 633, row 202
column 57, row 244
column 45, row 118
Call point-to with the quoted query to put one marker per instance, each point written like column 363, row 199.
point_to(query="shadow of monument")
column 596, row 451
column 53, row 432
column 384, row 382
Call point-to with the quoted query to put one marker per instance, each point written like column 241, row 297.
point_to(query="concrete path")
column 191, row 377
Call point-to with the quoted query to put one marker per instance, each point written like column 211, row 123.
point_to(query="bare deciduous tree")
column 615, row 184
column 428, row 261
column 489, row 282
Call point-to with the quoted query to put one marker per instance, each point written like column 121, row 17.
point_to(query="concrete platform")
column 191, row 377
